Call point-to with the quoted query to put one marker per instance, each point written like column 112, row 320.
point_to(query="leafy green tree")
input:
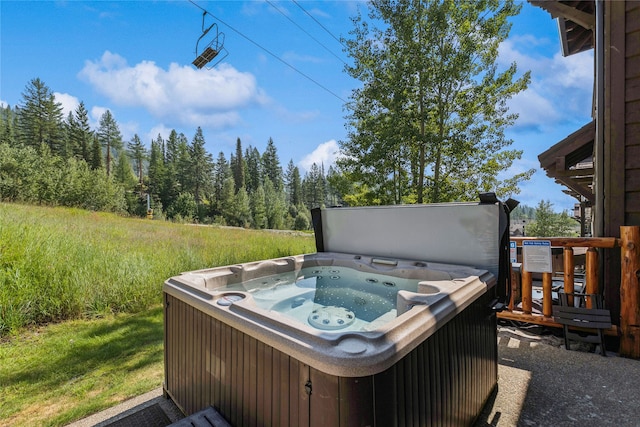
column 428, row 123
column 302, row 220
column 258, row 208
column 275, row 206
column 242, row 209
column 184, row 207
column 109, row 137
column 550, row 224
column 334, row 190
column 35, row 176
column 90, row 189
column 227, row 200
column 40, row 119
column 123, row 174
column 17, row 166
column 7, row 125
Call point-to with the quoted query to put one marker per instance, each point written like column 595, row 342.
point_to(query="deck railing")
column 629, row 244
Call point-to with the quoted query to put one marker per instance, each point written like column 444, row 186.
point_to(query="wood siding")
column 621, row 133
column 632, row 113
column 622, row 115
column 445, row 381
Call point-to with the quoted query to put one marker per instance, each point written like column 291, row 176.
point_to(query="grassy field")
column 80, row 293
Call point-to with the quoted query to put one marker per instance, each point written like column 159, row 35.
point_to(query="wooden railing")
column 629, row 244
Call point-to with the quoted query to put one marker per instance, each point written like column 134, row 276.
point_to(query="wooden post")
column 527, row 292
column 630, row 292
column 516, row 287
column 591, row 279
column 568, row 269
column 547, row 302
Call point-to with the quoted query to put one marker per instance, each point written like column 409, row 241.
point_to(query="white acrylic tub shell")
column 444, row 291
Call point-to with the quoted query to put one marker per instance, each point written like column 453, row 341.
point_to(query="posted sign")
column 513, row 252
column 536, row 256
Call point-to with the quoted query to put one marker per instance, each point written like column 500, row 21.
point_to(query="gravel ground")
column 540, row 383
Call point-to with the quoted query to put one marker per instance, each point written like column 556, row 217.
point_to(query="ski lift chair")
column 210, row 51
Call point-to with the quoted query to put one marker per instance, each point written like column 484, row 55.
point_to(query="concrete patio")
column 540, row 384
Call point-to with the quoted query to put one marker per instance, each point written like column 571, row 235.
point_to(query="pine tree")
column 227, row 200
column 221, row 171
column 124, row 174
column 138, row 153
column 201, row 167
column 238, row 166
column 171, row 187
column 157, row 169
column 96, row 153
column 271, row 166
column 40, row 119
column 82, row 135
column 294, row 184
column 253, row 175
column 314, row 187
column 109, row 137
column 258, row 208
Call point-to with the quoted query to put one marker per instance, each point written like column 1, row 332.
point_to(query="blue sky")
column 134, row 58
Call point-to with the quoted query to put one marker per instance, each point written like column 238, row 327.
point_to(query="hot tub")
column 341, row 338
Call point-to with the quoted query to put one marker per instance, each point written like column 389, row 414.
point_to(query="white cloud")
column 180, row 94
column 324, row 154
column 127, row 129
column 533, row 108
column 95, row 114
column 69, row 102
column 159, row 129
column 561, row 88
column 3, row 104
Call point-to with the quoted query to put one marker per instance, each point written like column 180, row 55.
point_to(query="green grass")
column 58, row 264
column 53, row 375
column 80, row 294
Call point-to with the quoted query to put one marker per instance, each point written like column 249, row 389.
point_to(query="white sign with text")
column 536, row 256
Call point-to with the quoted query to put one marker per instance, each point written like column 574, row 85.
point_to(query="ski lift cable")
column 305, row 31
column 318, row 22
column 269, row 52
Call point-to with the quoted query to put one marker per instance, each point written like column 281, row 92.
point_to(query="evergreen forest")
column 49, row 159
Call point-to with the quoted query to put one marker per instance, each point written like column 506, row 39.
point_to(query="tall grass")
column 59, row 263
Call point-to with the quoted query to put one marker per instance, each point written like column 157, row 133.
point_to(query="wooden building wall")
column 632, row 113
column 621, row 133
